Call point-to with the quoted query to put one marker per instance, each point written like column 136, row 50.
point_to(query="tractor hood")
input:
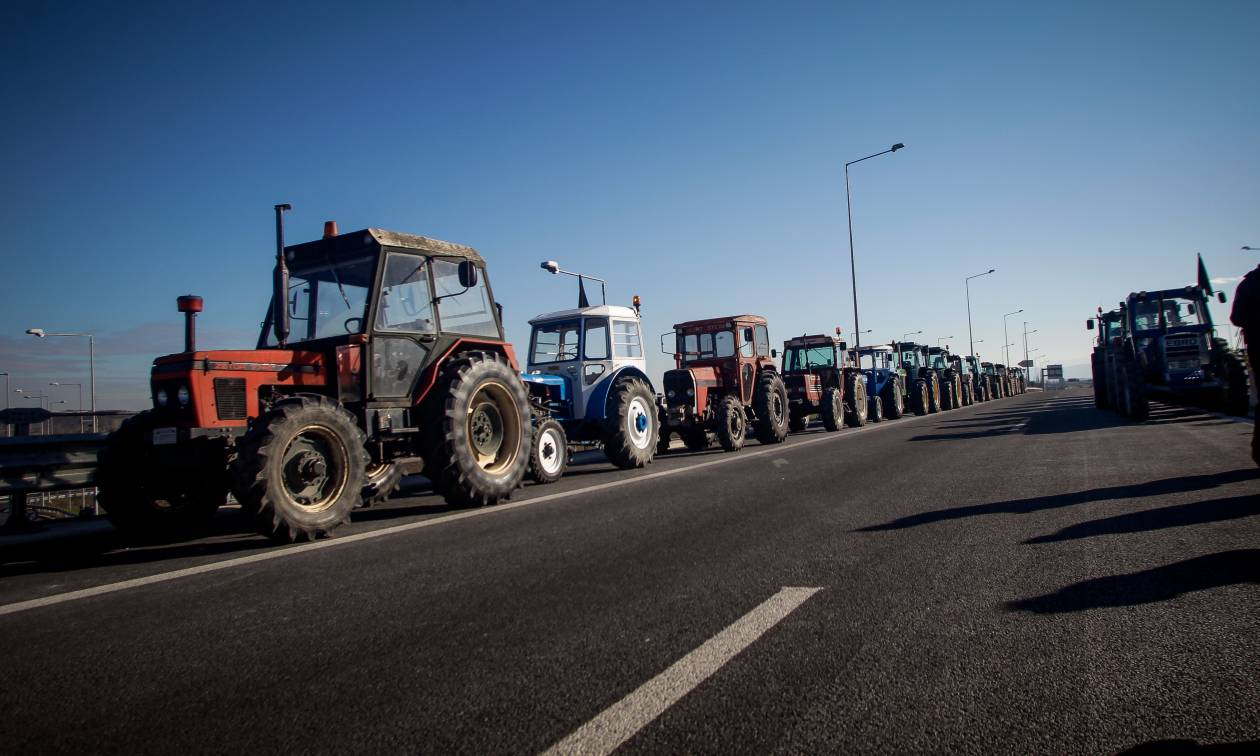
column 280, row 361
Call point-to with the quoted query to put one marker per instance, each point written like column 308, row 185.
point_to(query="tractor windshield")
column 706, row 346
column 555, row 342
column 1180, row 312
column 327, row 298
column 806, row 357
column 463, row 310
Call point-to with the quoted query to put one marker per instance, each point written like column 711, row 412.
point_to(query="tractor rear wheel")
column 877, row 409
column 832, row 409
column 732, row 425
column 770, row 405
column 894, row 399
column 696, row 439
column 149, row 499
column 934, row 393
column 479, row 416
column 549, row 452
column 299, row 470
column 919, row 400
column 380, row 482
column 1136, row 405
column 857, row 408
column 948, row 399
column 633, row 427
column 1237, row 389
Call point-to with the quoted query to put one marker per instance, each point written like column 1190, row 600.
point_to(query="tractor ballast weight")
column 587, row 371
column 382, row 353
column 822, row 380
column 724, row 379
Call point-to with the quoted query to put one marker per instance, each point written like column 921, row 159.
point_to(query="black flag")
column 1205, row 283
column 582, row 302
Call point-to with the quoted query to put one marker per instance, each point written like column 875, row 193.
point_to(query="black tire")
column 968, row 393
column 832, row 409
column 479, row 420
column 948, row 399
column 732, row 424
column 857, row 408
column 934, row 393
column 696, row 439
column 380, row 482
column 797, row 422
column 919, row 400
column 148, row 498
column 1238, row 387
column 548, row 453
column 663, row 441
column 770, row 406
column 632, row 428
column 894, row 399
column 299, row 470
column 1137, row 407
column 876, row 413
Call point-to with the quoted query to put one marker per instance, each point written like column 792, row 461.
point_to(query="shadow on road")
column 1176, row 516
column 1148, row 586
column 1054, row 501
column 1177, row 747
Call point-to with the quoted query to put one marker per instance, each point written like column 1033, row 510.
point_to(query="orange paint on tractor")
column 255, row 367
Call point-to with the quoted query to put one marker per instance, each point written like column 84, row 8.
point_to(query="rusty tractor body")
column 724, row 379
column 822, row 380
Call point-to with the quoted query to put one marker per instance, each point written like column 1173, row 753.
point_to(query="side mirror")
column 1220, row 297
column 843, row 346
column 467, row 274
column 748, row 336
column 664, row 349
column 774, row 353
column 1089, row 324
column 1190, row 309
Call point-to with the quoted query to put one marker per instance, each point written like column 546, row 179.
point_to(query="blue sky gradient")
column 689, row 153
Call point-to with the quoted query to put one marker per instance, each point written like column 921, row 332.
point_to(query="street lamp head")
column 1251, row 249
column 551, row 266
column 36, row 332
column 992, row 270
column 898, row 146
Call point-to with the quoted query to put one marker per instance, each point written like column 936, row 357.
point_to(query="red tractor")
column 725, row 378
column 381, row 352
column 821, row 380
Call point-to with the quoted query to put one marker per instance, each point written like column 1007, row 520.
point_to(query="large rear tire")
column 832, row 409
column 894, row 399
column 549, row 452
column 857, row 407
column 1238, row 389
column 732, row 425
column 934, row 393
column 479, row 415
column 1137, row 406
column 770, row 405
column 633, row 427
column 380, row 482
column 146, row 497
column 299, row 470
column 919, row 399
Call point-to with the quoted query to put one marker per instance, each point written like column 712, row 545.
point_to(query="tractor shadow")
column 1148, row 586
column 1185, row 746
column 1056, row 501
column 1176, row 516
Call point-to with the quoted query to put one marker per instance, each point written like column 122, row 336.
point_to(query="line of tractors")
column 382, row 354
column 1163, row 344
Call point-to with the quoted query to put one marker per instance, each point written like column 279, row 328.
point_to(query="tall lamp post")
column 80, row 385
column 910, row 333
column 1007, row 336
column 967, row 283
column 41, row 333
column 1026, row 332
column 852, row 265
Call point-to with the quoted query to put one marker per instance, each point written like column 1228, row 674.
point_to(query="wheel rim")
column 377, row 473
column 776, row 408
column 315, row 468
column 493, row 421
column 638, row 423
column 550, row 451
column 735, row 424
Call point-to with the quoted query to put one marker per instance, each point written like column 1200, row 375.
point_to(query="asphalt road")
column 1027, row 575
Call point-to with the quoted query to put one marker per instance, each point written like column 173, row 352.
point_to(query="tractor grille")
column 680, row 387
column 1183, row 352
column 229, row 398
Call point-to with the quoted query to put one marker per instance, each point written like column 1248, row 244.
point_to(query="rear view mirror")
column 665, row 349
column 748, row 337
column 1089, row 324
column 467, row 274
column 1220, row 297
column 774, row 352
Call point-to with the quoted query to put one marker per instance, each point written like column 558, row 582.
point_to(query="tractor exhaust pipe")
column 190, row 305
column 280, row 283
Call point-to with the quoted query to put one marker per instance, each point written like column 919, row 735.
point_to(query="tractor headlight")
column 670, row 394
column 182, row 395
column 161, row 398
column 691, row 393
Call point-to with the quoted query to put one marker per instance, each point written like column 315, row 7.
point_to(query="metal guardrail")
column 31, row 464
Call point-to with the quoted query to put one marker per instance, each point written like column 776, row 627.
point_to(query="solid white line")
column 619, row 722
column 743, row 456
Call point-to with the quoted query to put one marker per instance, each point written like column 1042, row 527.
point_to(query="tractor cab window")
column 1146, row 315
column 465, row 311
column 596, row 339
column 327, row 298
column 626, row 343
column 724, row 344
column 706, row 346
column 806, row 357
column 406, row 304
column 762, row 338
column 1180, row 312
column 554, row 342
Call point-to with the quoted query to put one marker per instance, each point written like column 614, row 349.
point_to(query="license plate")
column 163, row 436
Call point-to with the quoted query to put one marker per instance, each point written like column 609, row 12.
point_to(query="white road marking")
column 619, row 722
column 780, row 462
column 279, row 553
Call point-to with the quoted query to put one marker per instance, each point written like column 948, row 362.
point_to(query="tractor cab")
column 939, row 359
column 812, row 367
column 1171, row 333
column 726, row 353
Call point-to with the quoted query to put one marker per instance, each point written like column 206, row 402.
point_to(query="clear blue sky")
column 689, row 153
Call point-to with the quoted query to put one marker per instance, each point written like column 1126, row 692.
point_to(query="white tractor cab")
column 587, row 378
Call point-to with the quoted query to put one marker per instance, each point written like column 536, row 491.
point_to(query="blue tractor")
column 883, row 378
column 587, row 379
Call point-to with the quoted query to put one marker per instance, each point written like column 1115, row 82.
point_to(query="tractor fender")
column 597, row 404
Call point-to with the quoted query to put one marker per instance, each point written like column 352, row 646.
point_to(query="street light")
column 1026, row 332
column 912, row 333
column 1006, row 334
column 938, row 341
column 80, row 385
column 849, row 204
column 1252, row 249
column 967, row 283
column 553, row 267
column 41, row 333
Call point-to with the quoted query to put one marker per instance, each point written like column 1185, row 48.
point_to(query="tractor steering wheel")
column 357, row 328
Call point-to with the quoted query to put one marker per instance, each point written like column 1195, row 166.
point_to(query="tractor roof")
column 615, row 311
column 812, row 340
column 872, row 349
column 355, row 241
column 1189, row 292
column 721, row 322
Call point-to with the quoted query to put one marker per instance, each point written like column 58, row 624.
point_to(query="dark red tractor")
column 381, row 353
column 822, row 381
column 725, row 379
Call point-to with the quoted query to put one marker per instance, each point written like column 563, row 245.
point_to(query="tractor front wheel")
column 633, row 427
column 732, row 425
column 797, row 422
column 549, row 454
column 934, row 393
column 1237, row 389
column 696, row 439
column 770, row 404
column 832, row 409
column 380, row 482
column 877, row 409
column 894, row 399
column 857, row 408
column 299, row 470
column 160, row 493
column 919, row 399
